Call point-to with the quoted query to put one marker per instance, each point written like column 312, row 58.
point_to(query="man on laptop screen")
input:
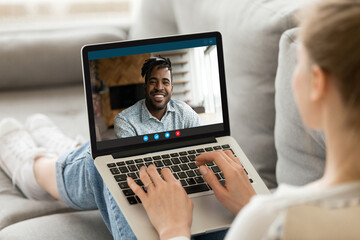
column 157, row 112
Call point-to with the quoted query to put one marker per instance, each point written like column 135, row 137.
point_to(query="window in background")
column 42, row 12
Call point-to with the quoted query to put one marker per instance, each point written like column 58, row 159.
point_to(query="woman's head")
column 329, row 55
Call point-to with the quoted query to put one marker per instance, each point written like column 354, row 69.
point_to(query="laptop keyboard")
column 181, row 164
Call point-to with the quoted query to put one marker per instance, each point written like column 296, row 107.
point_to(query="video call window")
column 121, row 98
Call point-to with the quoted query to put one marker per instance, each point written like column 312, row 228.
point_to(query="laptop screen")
column 155, row 92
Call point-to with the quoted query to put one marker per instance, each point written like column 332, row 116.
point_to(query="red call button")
column 177, row 133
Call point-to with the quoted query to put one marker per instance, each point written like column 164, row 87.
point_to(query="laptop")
column 113, row 83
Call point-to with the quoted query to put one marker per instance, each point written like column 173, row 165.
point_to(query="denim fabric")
column 81, row 187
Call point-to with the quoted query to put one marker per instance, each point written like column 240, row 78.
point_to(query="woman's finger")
column 168, row 176
column 144, row 177
column 136, row 189
column 154, row 175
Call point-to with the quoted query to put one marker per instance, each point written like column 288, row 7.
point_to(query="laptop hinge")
column 162, row 147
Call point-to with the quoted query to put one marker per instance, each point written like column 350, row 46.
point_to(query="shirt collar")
column 146, row 115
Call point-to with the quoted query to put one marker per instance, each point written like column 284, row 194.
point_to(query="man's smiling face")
column 158, row 89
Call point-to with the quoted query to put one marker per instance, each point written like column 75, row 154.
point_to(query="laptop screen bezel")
column 168, row 142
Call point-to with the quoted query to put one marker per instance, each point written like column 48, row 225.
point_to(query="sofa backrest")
column 301, row 151
column 47, row 57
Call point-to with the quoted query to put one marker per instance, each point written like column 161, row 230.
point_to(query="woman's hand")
column 238, row 190
column 165, row 201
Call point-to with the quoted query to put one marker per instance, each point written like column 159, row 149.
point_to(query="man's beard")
column 153, row 105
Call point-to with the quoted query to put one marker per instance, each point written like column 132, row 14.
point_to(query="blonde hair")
column 330, row 33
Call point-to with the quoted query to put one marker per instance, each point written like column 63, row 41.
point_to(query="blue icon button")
column 167, row 135
column 156, row 136
column 146, row 138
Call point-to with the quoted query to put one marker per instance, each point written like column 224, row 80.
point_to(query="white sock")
column 46, row 134
column 17, row 154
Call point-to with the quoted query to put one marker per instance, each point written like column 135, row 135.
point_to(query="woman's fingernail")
column 203, row 170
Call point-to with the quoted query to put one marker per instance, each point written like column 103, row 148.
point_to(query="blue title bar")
column 151, row 48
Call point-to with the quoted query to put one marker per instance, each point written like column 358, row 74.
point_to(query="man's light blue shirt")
column 137, row 120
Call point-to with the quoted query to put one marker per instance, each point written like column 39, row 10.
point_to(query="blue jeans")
column 81, row 187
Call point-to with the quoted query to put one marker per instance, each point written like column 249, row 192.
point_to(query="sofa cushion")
column 301, row 151
column 38, row 58
column 16, row 208
column 85, row 225
column 251, row 32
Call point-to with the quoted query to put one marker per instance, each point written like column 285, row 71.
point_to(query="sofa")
column 41, row 72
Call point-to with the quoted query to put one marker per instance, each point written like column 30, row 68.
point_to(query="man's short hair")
column 151, row 63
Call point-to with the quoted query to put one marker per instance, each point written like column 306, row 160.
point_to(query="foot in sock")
column 46, row 134
column 18, row 152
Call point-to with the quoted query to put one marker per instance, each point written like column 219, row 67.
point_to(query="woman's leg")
column 44, row 171
column 80, row 186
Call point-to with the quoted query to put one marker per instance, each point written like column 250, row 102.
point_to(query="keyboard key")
column 210, row 164
column 191, row 152
column 190, row 173
column 184, row 159
column 215, row 169
column 200, row 150
column 225, row 146
column 167, row 162
column 176, row 176
column 123, row 185
column 111, row 165
column 139, row 182
column 138, row 199
column 222, row 175
column 199, row 179
column 129, row 162
column 147, row 164
column 197, row 172
column 175, row 160
column 165, row 156
column 190, row 181
column 209, row 149
column 128, row 192
column 148, row 159
column 182, row 175
column 192, row 157
column 222, row 182
column 174, row 154
column 246, row 171
column 175, row 168
column 196, row 188
column 184, row 167
column 132, row 168
column 139, row 160
column 156, row 157
column 124, row 169
column 183, row 153
column 217, row 148
column 140, row 165
column 120, row 178
column 251, row 180
column 158, row 164
column 132, row 175
column 159, row 170
column 192, row 165
column 218, row 176
column 120, row 164
column 183, row 182
column 114, row 171
column 132, row 200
